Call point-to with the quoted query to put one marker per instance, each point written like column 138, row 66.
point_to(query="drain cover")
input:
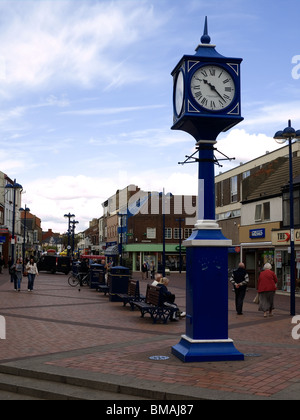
column 159, row 358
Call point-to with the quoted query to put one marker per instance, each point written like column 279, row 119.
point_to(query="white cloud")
column 244, row 147
column 272, row 117
column 58, row 41
column 83, row 195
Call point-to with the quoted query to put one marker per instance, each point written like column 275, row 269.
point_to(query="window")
column 177, row 233
column 262, row 212
column 151, row 233
column 234, row 189
column 258, row 212
column 168, row 233
column 286, row 208
column 188, row 232
column 267, row 214
column 246, row 174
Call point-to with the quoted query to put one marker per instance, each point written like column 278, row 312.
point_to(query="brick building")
column 146, row 226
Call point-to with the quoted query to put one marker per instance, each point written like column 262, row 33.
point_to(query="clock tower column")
column 206, row 102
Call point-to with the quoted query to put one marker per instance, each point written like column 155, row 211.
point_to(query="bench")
column 154, row 306
column 104, row 288
column 133, row 294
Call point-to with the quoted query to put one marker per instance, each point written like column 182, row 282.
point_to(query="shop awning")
column 112, row 250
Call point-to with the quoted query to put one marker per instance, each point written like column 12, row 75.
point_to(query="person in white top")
column 32, row 271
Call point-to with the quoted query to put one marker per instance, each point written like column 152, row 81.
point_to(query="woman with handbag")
column 31, row 269
column 267, row 282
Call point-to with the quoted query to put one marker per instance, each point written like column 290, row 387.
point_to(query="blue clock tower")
column 206, row 101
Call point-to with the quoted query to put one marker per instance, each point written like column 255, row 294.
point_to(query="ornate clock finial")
column 205, row 39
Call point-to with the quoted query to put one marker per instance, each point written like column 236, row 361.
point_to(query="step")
column 51, row 390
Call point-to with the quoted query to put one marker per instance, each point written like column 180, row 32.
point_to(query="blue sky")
column 86, row 93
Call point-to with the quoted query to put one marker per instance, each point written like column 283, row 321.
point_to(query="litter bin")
column 118, row 279
column 75, row 266
column 97, row 277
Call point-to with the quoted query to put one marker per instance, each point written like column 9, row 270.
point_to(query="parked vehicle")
column 54, row 263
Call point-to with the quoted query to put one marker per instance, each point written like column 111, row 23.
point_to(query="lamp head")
column 289, row 133
column 279, row 137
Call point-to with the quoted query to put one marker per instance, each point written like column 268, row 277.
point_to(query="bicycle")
column 79, row 279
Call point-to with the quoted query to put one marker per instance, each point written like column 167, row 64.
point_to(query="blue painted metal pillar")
column 206, row 337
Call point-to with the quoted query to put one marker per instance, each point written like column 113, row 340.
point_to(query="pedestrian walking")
column 240, row 280
column 266, row 288
column 11, row 272
column 2, row 264
column 32, row 271
column 144, row 271
column 17, row 269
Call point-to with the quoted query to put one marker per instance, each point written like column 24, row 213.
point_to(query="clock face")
column 213, row 87
column 179, row 93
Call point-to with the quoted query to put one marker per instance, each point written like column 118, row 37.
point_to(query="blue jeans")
column 31, row 278
column 18, row 280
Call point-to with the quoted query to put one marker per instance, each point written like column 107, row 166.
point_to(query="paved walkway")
column 56, row 328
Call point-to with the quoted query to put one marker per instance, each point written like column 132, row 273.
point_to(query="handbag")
column 25, row 274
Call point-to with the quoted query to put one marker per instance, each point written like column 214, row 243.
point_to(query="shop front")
column 281, row 242
column 152, row 254
column 257, row 249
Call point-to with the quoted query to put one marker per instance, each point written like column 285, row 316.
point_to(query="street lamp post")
column 288, row 134
column 69, row 216
column 15, row 186
column 180, row 244
column 26, row 210
column 73, row 222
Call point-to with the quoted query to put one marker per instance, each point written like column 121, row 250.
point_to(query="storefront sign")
column 283, row 237
column 257, row 233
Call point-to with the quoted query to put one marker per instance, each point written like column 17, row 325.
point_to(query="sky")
column 86, row 94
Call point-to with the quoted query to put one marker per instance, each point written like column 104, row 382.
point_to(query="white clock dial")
column 179, row 93
column 213, row 87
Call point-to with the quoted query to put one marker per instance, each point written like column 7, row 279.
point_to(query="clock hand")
column 214, row 89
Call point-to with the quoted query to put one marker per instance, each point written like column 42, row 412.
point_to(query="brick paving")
column 58, row 328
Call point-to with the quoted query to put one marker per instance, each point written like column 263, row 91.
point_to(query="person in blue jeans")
column 17, row 274
column 32, row 271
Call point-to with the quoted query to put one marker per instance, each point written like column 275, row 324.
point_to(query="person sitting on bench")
column 169, row 299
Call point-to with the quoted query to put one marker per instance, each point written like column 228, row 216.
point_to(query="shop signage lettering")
column 257, row 233
column 283, row 236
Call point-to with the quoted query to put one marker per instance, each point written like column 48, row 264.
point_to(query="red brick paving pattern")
column 56, row 319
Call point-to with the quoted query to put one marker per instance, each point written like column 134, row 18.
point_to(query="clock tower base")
column 189, row 350
column 206, row 337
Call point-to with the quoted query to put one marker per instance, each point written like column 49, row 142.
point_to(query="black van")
column 54, row 263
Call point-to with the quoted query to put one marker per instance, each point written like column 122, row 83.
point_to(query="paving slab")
column 57, row 330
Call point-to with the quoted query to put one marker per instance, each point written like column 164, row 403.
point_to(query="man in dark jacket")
column 240, row 280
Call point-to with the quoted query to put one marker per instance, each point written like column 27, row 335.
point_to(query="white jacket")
column 31, row 269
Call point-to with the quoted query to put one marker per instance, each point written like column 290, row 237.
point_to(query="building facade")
column 252, row 209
